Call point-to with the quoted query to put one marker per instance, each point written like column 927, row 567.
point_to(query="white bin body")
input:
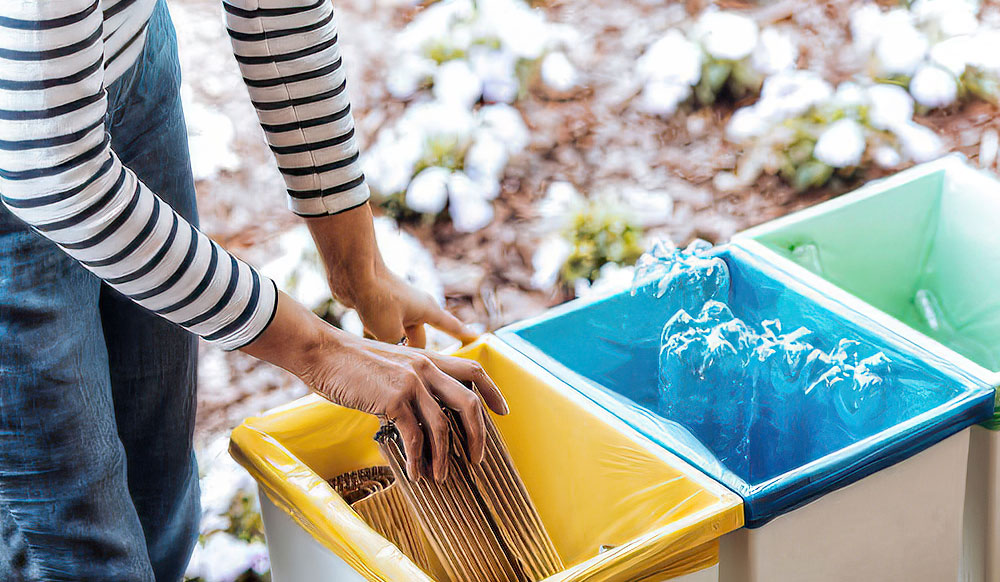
column 297, row 557
column 981, row 550
column 901, row 523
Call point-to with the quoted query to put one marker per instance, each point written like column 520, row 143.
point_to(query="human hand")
column 390, row 308
column 404, row 385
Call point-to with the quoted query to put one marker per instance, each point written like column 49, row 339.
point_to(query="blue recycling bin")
column 876, row 455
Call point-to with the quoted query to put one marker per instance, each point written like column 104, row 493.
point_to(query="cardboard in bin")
column 617, row 507
column 608, row 349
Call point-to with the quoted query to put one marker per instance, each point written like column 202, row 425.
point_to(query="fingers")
column 413, row 439
column 470, row 371
column 437, row 430
column 416, row 337
column 448, row 323
column 464, row 401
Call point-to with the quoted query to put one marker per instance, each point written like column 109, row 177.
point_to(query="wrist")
column 296, row 338
column 347, row 246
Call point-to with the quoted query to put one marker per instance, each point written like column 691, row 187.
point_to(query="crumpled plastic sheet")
column 618, row 507
column 778, row 448
column 922, row 246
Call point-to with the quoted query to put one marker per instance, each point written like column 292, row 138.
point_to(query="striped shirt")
column 59, row 174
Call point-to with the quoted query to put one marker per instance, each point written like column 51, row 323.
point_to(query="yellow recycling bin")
column 618, row 507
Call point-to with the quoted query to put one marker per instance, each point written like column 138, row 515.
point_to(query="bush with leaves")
column 937, row 49
column 724, row 52
column 472, row 50
column 439, row 156
column 590, row 240
column 807, row 132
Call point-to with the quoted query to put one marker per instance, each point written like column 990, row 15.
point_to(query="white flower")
column 558, row 73
column 866, row 26
column 560, row 198
column 775, row 52
column 918, row 143
column 745, row 124
column 389, row 163
column 611, row 277
column 647, row 207
column 351, row 322
column 454, row 82
column 791, row 93
column 886, row 157
column 435, row 122
column 933, row 87
column 889, row 106
column 850, row 94
column 984, row 50
column 953, row 54
column 468, row 203
column 428, row 191
column 223, row 479
column 901, row 47
column 519, row 28
column 412, row 71
column 210, row 141
column 947, row 18
column 223, row 558
column 726, row 35
column 841, row 145
column 407, row 258
column 433, row 25
column 486, row 158
column 672, row 59
column 297, row 269
column 506, row 123
column 496, row 70
column 548, row 260
column 663, row 97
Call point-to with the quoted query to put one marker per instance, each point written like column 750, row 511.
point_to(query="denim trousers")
column 97, row 397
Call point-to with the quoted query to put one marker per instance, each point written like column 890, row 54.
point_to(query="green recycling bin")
column 917, row 250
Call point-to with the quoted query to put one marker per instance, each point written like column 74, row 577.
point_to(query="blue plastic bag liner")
column 717, row 369
column 921, row 246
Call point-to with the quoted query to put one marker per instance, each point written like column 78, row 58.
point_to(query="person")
column 105, row 280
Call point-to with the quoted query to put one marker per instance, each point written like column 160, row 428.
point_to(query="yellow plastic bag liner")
column 618, row 507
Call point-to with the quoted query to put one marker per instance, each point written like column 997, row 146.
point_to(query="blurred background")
column 523, row 153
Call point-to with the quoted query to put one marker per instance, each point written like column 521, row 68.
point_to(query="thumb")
column 451, row 325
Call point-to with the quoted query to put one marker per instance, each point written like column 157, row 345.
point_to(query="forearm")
column 347, row 245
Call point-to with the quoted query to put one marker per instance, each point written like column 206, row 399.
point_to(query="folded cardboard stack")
column 373, row 494
column 479, row 520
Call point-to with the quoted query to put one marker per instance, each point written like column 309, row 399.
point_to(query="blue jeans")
column 97, row 397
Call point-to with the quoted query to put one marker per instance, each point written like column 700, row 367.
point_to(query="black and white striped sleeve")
column 59, row 174
column 288, row 53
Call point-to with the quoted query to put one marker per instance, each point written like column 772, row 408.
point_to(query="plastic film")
column 922, row 246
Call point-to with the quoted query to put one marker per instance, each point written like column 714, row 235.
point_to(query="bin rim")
column 954, row 162
column 769, row 499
